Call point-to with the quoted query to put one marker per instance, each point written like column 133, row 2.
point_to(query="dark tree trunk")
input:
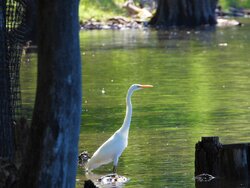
column 52, row 154
column 31, row 21
column 184, row 13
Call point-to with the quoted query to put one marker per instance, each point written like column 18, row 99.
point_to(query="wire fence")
column 12, row 39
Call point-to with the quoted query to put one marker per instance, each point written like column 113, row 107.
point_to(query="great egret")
column 112, row 149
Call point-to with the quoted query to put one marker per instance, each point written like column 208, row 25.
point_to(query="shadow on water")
column 202, row 34
column 223, row 183
column 183, row 39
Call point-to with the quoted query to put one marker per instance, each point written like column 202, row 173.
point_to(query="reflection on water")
column 223, row 183
column 202, row 88
column 107, row 180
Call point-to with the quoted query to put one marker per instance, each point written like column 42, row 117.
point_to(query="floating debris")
column 223, row 44
column 103, row 91
column 113, row 179
column 204, row 177
column 83, row 158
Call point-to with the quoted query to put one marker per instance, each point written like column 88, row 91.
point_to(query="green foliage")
column 237, row 3
column 103, row 9
column 100, row 9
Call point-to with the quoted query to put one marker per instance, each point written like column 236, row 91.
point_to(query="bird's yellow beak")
column 146, row 86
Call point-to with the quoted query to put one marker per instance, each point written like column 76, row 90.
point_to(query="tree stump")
column 231, row 161
column 184, row 13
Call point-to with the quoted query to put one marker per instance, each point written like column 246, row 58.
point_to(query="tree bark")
column 31, row 21
column 52, row 154
column 184, row 13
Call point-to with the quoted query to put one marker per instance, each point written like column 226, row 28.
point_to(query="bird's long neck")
column 126, row 123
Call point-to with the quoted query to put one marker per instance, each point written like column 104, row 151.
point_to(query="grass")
column 104, row 9
column 100, row 9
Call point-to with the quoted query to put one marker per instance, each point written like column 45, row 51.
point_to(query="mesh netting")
column 15, row 26
column 12, row 32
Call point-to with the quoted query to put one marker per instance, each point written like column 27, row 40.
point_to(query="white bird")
column 112, row 149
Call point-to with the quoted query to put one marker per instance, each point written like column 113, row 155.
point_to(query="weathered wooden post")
column 228, row 162
column 235, row 161
column 207, row 156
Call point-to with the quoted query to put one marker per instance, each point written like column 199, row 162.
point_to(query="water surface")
column 201, row 88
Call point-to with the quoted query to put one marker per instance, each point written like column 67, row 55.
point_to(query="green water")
column 201, row 84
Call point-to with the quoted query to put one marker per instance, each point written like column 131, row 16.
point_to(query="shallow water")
column 201, row 88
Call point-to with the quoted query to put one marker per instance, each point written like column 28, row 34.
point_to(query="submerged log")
column 227, row 161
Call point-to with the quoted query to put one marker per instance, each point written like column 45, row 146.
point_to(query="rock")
column 140, row 14
column 236, row 12
column 226, row 22
column 115, row 23
column 247, row 12
column 118, row 20
column 233, row 12
column 83, row 158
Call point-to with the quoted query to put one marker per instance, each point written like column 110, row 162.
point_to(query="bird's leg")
column 115, row 164
column 114, row 169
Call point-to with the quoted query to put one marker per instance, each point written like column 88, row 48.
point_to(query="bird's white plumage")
column 112, row 149
column 109, row 151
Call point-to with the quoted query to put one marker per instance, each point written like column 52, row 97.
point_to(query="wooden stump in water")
column 231, row 161
column 207, row 156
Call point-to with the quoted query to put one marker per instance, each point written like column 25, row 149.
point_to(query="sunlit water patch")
column 201, row 84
